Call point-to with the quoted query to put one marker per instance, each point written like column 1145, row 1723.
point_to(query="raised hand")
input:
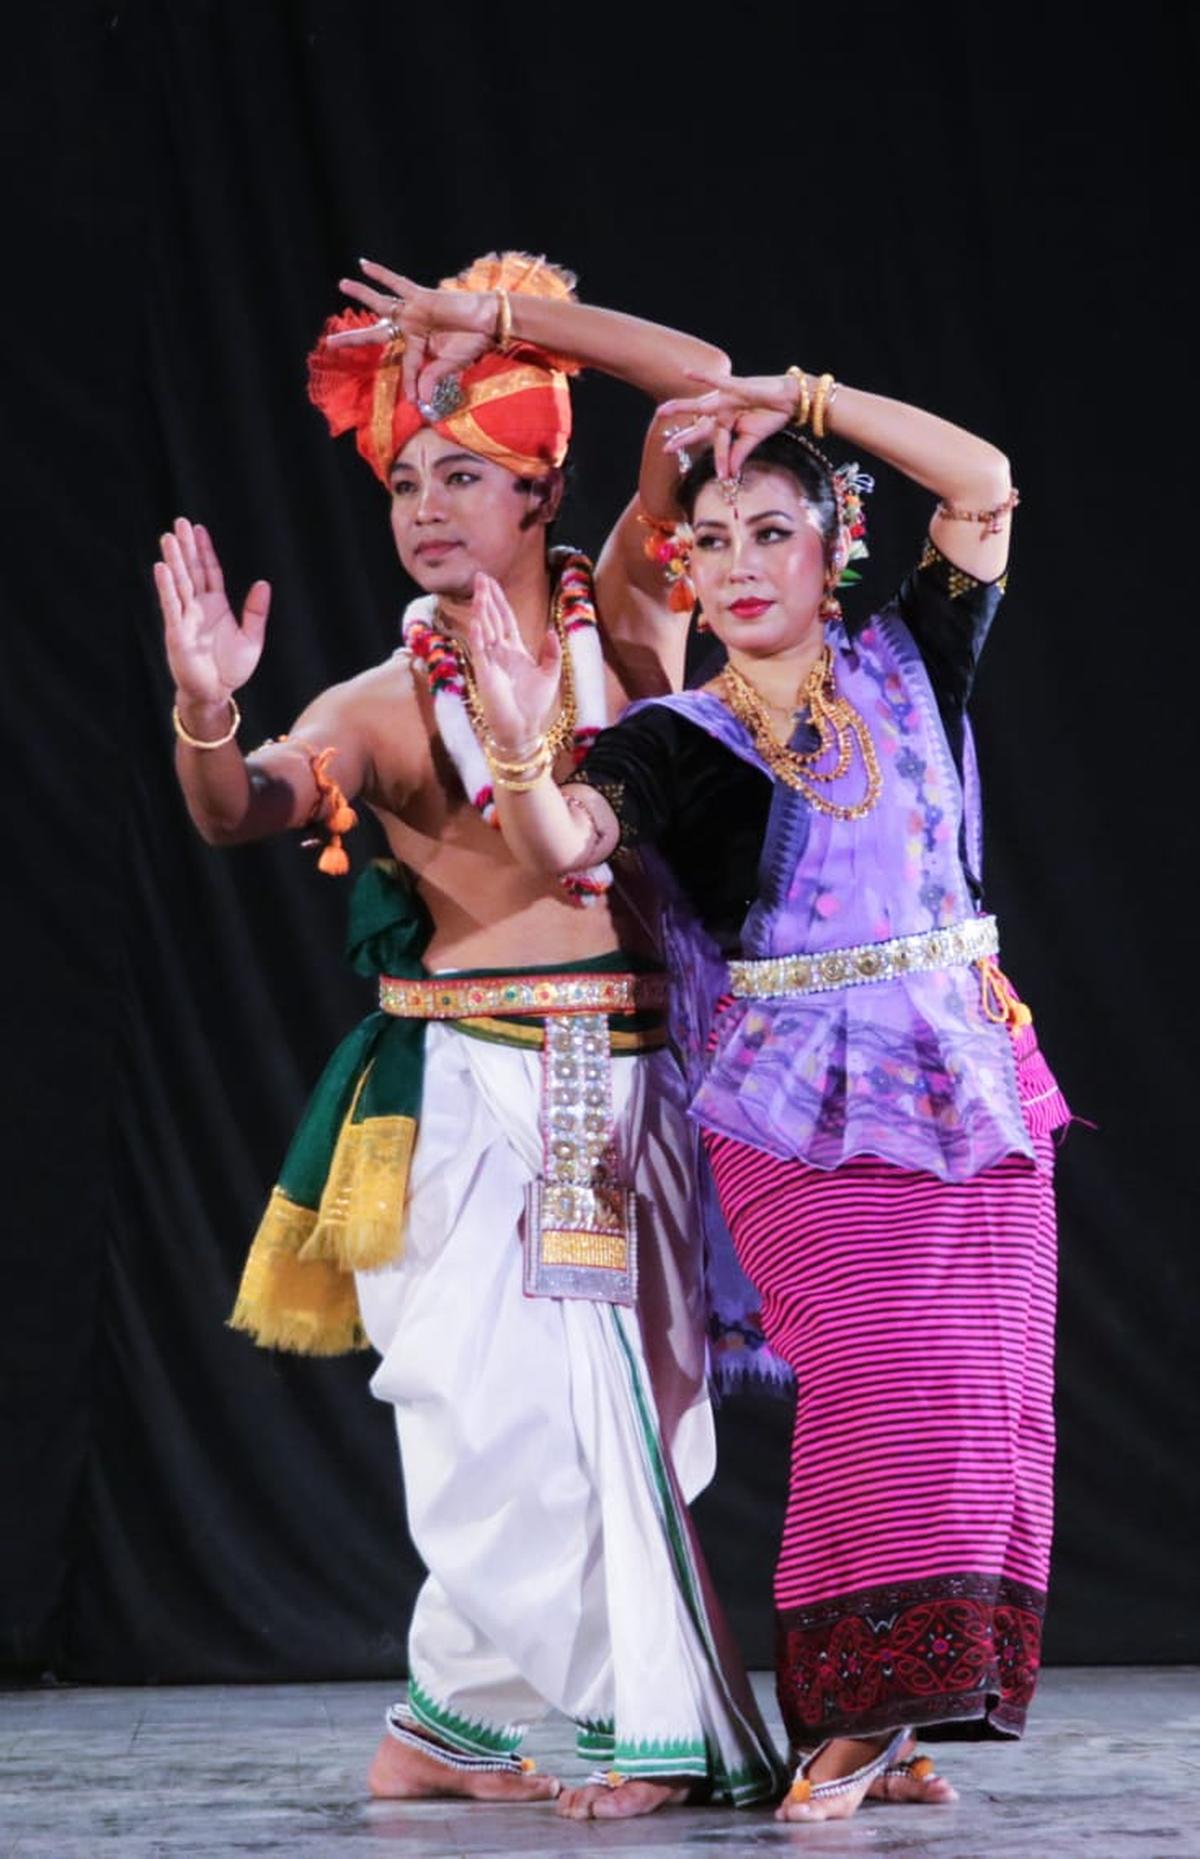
column 519, row 693
column 444, row 330
column 209, row 653
column 736, row 414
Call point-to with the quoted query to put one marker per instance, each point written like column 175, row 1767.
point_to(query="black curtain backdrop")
column 976, row 210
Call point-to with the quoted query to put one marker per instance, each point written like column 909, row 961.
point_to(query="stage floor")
column 1111, row 1768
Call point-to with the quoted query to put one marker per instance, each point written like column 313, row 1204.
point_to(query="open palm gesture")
column 210, row 654
column 518, row 693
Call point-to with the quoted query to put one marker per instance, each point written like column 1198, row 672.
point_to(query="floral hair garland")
column 670, row 545
column 850, row 486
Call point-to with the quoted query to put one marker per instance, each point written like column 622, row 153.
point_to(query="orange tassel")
column 1000, row 1002
column 338, row 815
column 334, row 861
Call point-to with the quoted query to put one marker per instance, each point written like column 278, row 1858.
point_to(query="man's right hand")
column 211, row 656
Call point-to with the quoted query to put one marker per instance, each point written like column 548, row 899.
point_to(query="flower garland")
column 584, row 712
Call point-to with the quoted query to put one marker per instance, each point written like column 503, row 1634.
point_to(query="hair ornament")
column 670, row 546
column 850, row 486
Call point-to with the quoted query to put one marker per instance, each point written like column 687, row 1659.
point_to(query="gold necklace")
column 839, row 729
column 562, row 729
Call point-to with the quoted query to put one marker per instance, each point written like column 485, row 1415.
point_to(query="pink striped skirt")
column 918, row 1316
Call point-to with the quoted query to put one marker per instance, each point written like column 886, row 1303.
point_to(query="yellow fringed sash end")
column 285, row 1302
column 297, row 1290
column 360, row 1224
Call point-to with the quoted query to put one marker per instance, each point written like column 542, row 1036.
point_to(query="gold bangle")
column 825, row 390
column 515, row 767
column 803, row 396
column 518, row 776
column 195, row 742
column 502, row 335
column 520, row 787
column 509, row 765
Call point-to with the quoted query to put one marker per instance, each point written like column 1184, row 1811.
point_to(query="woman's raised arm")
column 968, row 475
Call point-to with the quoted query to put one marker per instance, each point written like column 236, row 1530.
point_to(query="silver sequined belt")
column 779, row 976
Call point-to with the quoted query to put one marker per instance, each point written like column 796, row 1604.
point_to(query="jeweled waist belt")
column 450, row 997
column 580, row 1228
column 785, row 976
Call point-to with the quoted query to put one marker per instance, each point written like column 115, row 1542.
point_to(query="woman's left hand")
column 737, row 413
column 444, row 331
column 518, row 693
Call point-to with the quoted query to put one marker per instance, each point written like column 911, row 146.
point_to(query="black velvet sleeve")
column 673, row 785
column 631, row 765
column 949, row 614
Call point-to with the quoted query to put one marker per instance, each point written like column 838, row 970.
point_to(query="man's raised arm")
column 232, row 798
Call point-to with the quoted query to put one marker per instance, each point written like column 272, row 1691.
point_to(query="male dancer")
column 545, row 1362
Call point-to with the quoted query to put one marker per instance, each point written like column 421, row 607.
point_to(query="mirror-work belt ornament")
column 785, row 976
column 581, row 1216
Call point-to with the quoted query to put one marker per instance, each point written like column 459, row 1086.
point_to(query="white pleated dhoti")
column 550, row 1446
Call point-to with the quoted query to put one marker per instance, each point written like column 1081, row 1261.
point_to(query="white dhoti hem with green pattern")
column 550, row 1446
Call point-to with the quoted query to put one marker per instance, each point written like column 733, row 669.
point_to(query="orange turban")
column 512, row 407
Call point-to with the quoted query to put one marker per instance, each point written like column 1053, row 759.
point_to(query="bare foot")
column 842, row 1757
column 399, row 1773
column 595, row 1801
column 921, row 1785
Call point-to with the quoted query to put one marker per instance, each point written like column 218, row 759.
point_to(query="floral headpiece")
column 849, row 486
column 670, row 545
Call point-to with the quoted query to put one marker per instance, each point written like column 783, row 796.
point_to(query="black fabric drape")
column 971, row 215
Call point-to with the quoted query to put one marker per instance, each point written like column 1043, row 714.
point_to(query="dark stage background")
column 975, row 213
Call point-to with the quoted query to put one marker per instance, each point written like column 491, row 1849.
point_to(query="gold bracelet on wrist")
column 513, row 764
column 521, row 787
column 826, row 388
column 519, row 777
column 803, row 396
column 518, row 774
column 502, row 334
column 196, row 742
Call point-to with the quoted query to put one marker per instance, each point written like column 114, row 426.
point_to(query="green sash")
column 338, row 1206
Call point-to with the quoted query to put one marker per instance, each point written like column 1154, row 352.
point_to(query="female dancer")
column 874, row 1106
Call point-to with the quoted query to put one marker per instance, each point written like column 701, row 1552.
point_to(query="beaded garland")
column 582, row 716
